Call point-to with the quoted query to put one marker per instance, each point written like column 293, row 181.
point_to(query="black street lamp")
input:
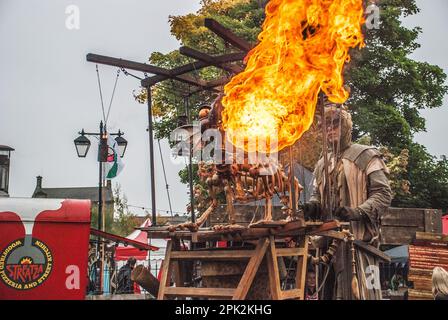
column 82, row 145
column 122, row 143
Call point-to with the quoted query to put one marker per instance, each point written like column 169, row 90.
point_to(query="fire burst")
column 303, row 47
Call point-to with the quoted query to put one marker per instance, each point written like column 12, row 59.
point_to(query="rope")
column 112, row 97
column 101, row 93
column 164, row 175
column 149, row 208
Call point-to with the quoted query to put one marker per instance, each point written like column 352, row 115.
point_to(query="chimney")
column 38, row 192
column 38, row 183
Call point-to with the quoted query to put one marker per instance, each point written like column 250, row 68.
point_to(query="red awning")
column 139, row 246
column 124, row 253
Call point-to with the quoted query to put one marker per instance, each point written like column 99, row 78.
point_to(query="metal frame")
column 203, row 60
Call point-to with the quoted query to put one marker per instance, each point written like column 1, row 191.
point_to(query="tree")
column 388, row 89
column 124, row 220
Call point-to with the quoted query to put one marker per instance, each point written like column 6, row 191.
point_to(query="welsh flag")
column 113, row 159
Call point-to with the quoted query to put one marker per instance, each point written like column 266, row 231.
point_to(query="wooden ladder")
column 265, row 247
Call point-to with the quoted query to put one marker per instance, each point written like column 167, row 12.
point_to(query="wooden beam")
column 143, row 67
column 227, row 35
column 251, row 270
column 289, row 252
column 195, row 54
column 200, row 292
column 192, row 67
column 212, row 255
column 127, row 64
column 326, row 226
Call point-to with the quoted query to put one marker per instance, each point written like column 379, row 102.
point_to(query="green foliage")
column 429, row 180
column 124, row 220
column 94, row 218
column 388, row 89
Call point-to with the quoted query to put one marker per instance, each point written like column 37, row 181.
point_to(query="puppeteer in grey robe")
column 359, row 192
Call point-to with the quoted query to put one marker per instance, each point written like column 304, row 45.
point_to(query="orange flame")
column 303, row 47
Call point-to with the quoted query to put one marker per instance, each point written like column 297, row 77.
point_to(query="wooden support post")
column 165, row 279
column 274, row 277
column 302, row 268
column 251, row 270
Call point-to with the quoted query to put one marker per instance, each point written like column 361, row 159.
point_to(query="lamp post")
column 82, row 145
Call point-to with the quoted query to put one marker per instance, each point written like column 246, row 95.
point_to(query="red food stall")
column 43, row 248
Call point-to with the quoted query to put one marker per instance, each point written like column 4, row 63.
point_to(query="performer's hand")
column 348, row 214
column 312, row 210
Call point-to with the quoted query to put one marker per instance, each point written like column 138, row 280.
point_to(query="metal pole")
column 100, row 204
column 190, row 164
column 327, row 205
column 100, row 181
column 151, row 158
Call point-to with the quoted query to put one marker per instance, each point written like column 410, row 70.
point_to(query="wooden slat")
column 291, row 229
column 398, row 235
column 251, row 270
column 212, row 255
column 330, row 225
column 200, row 292
column 289, row 252
column 291, row 294
column 435, row 237
column 419, row 295
column 165, row 271
column 268, row 224
column 334, row 234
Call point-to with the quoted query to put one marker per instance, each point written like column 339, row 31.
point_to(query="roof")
column 398, row 254
column 89, row 193
column 2, row 147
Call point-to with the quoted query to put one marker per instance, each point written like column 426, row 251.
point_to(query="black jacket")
column 125, row 284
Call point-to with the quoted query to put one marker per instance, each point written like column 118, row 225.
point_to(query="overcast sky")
column 48, row 92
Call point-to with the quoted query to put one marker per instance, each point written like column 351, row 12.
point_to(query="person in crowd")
column 440, row 283
column 125, row 284
column 310, row 285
